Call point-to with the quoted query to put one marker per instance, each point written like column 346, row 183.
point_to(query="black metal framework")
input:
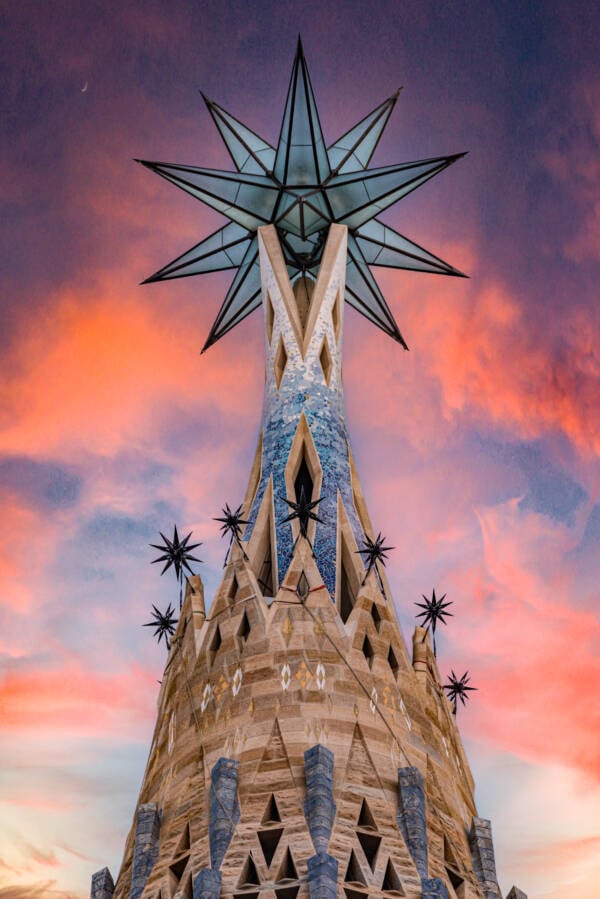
column 458, row 688
column 301, row 186
column 164, row 624
column 232, row 524
column 434, row 610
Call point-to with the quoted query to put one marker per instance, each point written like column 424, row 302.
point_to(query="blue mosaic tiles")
column 303, row 389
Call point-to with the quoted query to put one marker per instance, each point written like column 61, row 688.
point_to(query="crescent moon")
column 84, row 88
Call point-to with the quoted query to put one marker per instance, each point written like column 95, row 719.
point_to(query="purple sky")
column 478, row 450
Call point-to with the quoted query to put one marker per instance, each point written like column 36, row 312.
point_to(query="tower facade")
column 300, row 750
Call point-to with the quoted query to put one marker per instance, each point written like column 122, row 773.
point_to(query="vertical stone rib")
column 319, row 811
column 319, row 807
column 482, row 853
column 411, row 816
column 145, row 850
column 322, row 876
column 224, row 809
column 103, row 885
column 207, row 884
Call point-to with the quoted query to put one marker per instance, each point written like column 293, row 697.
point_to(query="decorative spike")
column 434, row 610
column 353, row 151
column 381, row 245
column 364, row 295
column 224, row 249
column 301, row 157
column 231, row 523
column 374, row 551
column 357, row 197
column 248, row 200
column 164, row 623
column 249, row 152
column 243, row 297
column 458, row 688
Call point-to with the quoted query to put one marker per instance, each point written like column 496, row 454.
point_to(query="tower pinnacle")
column 301, row 187
column 299, row 752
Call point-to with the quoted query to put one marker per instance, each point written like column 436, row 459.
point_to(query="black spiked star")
column 303, row 512
column 177, row 553
column 458, row 688
column 232, row 523
column 301, row 186
column 164, row 623
column 374, row 551
column 434, row 610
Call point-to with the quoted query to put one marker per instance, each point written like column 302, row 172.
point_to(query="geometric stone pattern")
column 298, row 751
column 484, row 862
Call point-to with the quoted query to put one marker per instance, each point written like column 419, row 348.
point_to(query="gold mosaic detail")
column 287, row 628
column 221, row 688
column 303, row 675
column 318, row 626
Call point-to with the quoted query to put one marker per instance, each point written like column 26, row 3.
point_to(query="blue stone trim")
column 322, row 876
column 434, row 888
column 103, row 885
column 207, row 884
column 319, row 807
column 145, row 849
column 411, row 816
column 484, row 861
column 224, row 809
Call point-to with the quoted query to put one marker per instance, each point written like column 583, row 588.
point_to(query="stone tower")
column 299, row 749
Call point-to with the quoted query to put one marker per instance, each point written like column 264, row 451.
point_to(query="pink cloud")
column 74, row 700
column 530, row 648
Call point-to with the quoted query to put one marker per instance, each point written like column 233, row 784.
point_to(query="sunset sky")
column 477, row 450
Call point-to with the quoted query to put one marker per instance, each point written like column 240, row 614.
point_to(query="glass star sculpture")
column 302, row 186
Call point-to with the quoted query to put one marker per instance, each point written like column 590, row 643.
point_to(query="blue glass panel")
column 250, row 153
column 242, row 298
column 223, row 249
column 245, row 199
column 301, row 156
column 357, row 198
column 381, row 245
column 354, row 149
column 363, row 293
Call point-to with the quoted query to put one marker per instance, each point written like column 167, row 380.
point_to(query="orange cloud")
column 532, row 653
column 476, row 358
column 74, row 700
column 104, row 370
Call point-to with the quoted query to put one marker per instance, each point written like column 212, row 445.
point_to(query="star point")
column 302, row 186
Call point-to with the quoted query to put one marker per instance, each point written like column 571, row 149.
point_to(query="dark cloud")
column 45, row 485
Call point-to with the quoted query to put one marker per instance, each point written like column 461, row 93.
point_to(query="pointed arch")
column 347, row 566
column 303, row 452
column 262, row 548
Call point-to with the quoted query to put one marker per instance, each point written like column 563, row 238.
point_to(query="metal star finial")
column 301, row 186
column 176, row 553
column 435, row 610
column 232, row 523
column 374, row 551
column 164, row 623
column 302, row 511
column 457, row 688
